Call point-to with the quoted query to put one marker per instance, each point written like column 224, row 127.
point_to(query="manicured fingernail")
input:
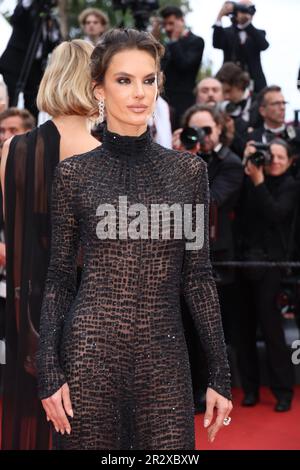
column 206, row 423
column 48, row 419
column 68, row 430
column 62, row 431
column 57, row 430
column 71, row 413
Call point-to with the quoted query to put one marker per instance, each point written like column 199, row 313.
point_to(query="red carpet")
column 255, row 428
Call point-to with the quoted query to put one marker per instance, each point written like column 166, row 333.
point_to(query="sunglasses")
column 206, row 129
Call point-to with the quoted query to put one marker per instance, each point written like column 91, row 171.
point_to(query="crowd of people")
column 234, row 121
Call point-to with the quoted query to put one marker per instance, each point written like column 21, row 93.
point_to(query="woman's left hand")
column 255, row 173
column 224, row 407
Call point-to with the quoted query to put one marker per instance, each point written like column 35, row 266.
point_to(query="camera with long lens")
column 261, row 156
column 190, row 136
column 241, row 8
column 141, row 10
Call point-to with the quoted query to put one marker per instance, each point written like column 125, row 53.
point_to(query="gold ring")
column 226, row 421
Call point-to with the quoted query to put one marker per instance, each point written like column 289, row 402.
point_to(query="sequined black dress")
column 119, row 341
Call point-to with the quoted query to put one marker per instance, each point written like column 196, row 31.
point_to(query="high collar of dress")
column 130, row 148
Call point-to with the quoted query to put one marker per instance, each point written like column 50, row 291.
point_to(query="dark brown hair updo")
column 118, row 40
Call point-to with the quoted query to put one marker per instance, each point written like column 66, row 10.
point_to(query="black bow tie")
column 269, row 135
column 242, row 103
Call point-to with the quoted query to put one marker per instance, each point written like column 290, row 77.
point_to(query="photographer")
column 180, row 63
column 265, row 221
column 241, row 43
column 238, row 99
column 272, row 108
column 238, row 103
column 35, row 33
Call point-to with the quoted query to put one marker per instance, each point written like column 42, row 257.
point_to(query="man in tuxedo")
column 272, row 107
column 241, row 43
column 181, row 62
column 31, row 19
column 239, row 102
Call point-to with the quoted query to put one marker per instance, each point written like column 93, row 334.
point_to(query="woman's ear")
column 98, row 92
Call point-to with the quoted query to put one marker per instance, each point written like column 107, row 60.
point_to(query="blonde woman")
column 27, row 169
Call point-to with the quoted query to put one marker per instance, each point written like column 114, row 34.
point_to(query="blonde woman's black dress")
column 29, row 173
column 119, row 341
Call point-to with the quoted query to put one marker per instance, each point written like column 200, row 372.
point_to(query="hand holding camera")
column 193, row 138
column 256, row 156
column 257, row 153
column 226, row 10
column 239, row 12
column 190, row 138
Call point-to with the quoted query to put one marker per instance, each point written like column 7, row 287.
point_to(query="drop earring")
column 101, row 107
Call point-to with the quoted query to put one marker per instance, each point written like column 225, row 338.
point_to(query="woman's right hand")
column 57, row 407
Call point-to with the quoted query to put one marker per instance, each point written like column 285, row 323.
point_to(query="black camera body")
column 45, row 6
column 141, row 10
column 190, row 136
column 241, row 8
column 232, row 109
column 262, row 156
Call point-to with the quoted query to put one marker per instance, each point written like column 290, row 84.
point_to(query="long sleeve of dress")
column 200, row 293
column 60, row 288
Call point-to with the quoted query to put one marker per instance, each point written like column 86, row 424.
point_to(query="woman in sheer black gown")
column 113, row 364
column 27, row 168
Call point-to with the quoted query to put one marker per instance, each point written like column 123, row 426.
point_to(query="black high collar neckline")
column 124, row 147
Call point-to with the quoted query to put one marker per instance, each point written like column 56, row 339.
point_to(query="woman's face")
column 129, row 91
column 280, row 161
column 205, row 119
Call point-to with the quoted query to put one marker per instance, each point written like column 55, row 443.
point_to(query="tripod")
column 29, row 58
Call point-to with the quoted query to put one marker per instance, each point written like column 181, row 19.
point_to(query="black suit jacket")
column 180, row 65
column 261, row 135
column 24, row 21
column 266, row 214
column 225, row 174
column 12, row 59
column 247, row 55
